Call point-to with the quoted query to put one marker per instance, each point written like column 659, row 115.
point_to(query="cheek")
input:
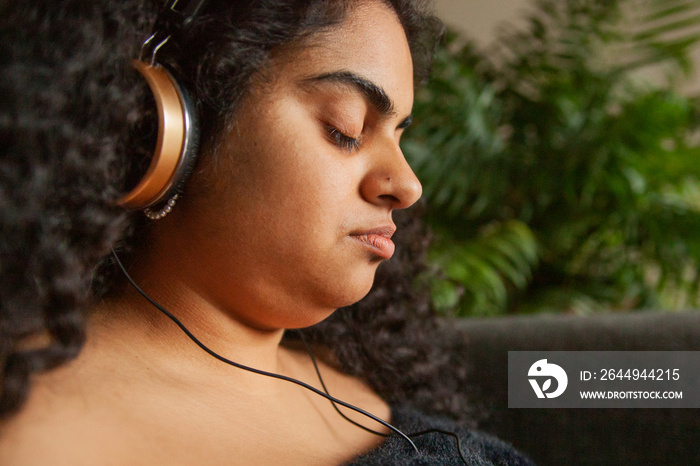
column 283, row 208
column 291, row 175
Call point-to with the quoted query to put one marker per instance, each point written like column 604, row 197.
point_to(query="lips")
column 377, row 241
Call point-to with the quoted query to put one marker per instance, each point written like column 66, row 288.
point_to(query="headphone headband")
column 170, row 19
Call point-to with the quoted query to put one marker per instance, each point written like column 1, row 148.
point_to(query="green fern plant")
column 556, row 179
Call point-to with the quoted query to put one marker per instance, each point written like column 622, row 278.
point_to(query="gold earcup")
column 171, row 139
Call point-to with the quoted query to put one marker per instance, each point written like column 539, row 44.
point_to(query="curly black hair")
column 77, row 125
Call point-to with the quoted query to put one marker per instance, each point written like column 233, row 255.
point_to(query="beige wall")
column 481, row 20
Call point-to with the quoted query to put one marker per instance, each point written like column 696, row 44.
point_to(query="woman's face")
column 292, row 217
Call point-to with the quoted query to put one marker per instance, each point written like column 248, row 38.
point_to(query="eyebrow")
column 374, row 94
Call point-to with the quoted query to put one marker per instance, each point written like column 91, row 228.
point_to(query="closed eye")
column 341, row 140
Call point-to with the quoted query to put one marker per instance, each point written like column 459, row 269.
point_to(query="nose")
column 390, row 181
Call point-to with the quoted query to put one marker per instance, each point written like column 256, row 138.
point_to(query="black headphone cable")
column 372, row 431
column 252, row 369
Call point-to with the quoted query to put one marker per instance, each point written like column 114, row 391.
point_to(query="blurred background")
column 558, row 142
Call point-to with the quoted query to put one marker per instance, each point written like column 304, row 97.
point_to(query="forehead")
column 370, row 42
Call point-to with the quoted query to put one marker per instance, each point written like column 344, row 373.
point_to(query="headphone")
column 178, row 129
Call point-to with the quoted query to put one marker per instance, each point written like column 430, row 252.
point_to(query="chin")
column 355, row 288
column 333, row 294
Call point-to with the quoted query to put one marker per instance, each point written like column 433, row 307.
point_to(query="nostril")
column 391, row 199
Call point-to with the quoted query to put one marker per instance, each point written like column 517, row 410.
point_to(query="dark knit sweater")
column 437, row 449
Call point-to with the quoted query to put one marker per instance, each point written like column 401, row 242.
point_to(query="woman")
column 286, row 218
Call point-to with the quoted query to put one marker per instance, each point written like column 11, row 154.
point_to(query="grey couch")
column 582, row 436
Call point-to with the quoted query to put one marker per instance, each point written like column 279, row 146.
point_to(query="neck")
column 216, row 328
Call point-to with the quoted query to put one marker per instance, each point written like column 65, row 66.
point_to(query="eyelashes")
column 341, row 140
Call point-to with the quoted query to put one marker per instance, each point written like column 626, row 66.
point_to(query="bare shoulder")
column 49, row 430
column 74, row 415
